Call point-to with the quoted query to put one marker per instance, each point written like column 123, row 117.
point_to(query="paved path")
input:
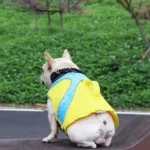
column 16, row 124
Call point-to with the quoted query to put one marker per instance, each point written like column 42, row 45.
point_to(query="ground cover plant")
column 104, row 41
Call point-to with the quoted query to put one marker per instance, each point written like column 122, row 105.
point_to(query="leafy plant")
column 99, row 41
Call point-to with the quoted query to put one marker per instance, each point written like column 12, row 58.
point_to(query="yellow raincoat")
column 74, row 96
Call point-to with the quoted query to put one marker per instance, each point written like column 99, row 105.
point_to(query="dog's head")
column 53, row 65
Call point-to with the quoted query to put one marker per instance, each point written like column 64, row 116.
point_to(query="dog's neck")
column 59, row 73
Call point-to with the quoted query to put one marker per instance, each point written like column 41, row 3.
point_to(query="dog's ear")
column 66, row 54
column 48, row 59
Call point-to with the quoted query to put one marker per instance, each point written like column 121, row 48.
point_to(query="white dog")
column 96, row 128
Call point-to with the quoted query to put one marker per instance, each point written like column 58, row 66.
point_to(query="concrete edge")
column 42, row 109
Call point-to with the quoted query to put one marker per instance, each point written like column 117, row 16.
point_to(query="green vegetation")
column 104, row 42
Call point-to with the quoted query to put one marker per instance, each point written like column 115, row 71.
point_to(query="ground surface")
column 16, row 124
column 24, row 130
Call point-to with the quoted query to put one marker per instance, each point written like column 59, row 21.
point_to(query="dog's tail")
column 106, row 123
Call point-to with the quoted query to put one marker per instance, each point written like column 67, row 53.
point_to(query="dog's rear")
column 92, row 130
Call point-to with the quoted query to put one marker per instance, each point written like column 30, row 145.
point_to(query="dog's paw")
column 45, row 140
column 87, row 144
column 49, row 139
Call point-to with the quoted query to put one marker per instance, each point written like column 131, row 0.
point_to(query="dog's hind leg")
column 53, row 124
column 90, row 144
column 107, row 142
column 103, row 142
column 107, row 129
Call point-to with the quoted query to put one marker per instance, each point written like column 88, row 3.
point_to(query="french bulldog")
column 75, row 104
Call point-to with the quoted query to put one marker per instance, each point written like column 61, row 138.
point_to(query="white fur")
column 52, row 122
column 90, row 131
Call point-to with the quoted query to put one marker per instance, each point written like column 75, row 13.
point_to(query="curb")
column 43, row 107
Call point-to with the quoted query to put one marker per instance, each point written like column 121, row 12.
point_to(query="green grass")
column 104, row 42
